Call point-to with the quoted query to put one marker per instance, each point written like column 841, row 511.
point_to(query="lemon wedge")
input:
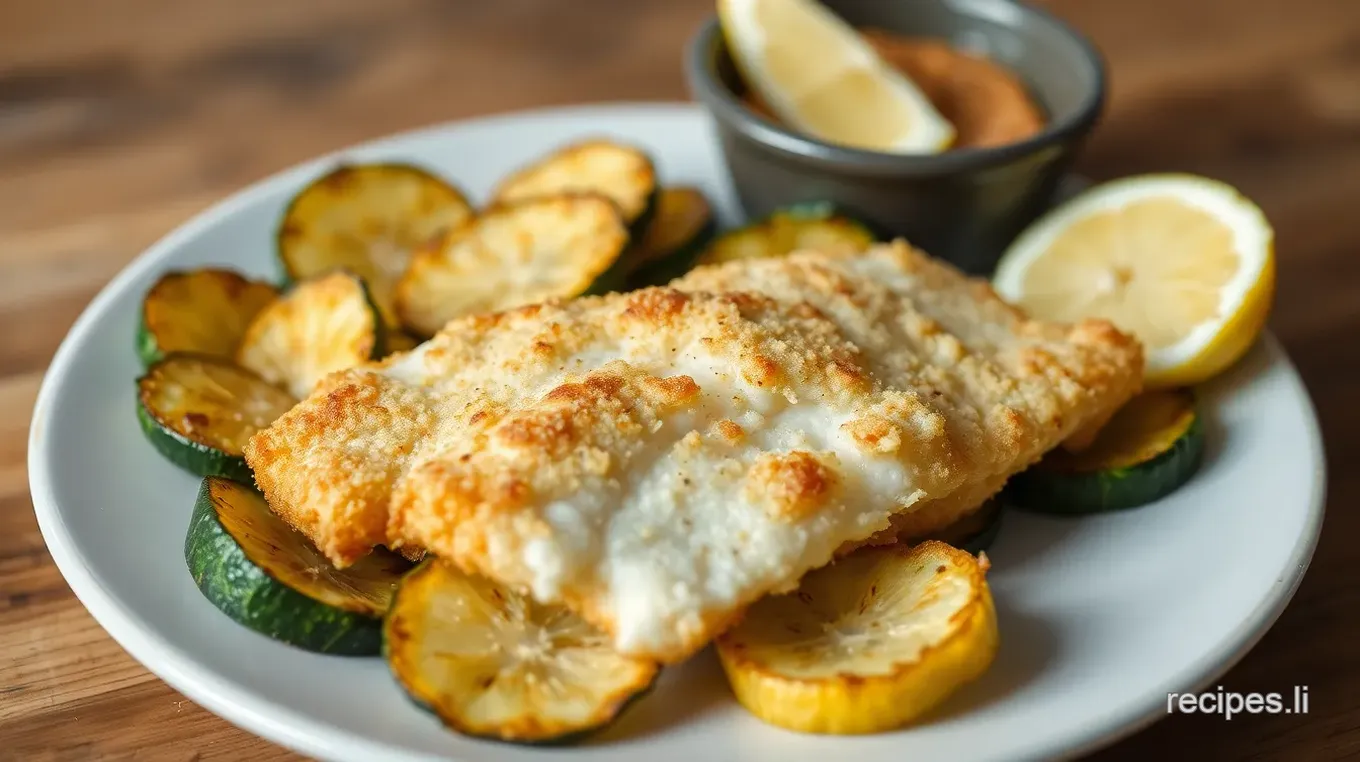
column 1184, row 263
column 818, row 75
column 867, row 644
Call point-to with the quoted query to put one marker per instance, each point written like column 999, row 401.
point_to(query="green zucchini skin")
column 764, row 233
column 986, row 537
column 250, row 597
column 678, row 262
column 1071, row 494
column 638, row 227
column 825, row 210
column 612, row 280
column 615, row 278
column 380, row 327
column 194, row 457
column 148, row 351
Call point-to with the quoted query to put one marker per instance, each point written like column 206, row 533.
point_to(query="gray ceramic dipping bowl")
column 962, row 205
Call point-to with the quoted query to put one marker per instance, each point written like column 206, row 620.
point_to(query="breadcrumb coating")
column 659, row 460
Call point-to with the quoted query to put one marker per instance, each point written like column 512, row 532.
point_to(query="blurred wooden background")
column 121, row 118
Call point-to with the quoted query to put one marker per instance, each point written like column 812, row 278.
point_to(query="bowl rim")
column 728, row 110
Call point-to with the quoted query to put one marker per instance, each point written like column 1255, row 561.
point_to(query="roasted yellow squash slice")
column 491, row 662
column 867, row 644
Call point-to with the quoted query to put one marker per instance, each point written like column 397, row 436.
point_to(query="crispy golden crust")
column 328, row 465
column 659, row 460
column 592, row 440
column 1057, row 383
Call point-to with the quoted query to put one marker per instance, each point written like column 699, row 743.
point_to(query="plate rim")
column 281, row 724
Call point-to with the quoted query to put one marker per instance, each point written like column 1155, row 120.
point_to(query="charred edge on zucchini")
column 683, row 226
column 264, row 575
column 528, row 644
column 324, row 324
column 367, row 219
column 199, row 411
column 788, row 230
column 204, row 311
column 514, row 254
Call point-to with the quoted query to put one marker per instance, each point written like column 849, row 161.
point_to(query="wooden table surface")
column 118, row 120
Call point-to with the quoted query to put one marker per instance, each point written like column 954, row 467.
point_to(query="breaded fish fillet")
column 659, row 460
column 886, row 303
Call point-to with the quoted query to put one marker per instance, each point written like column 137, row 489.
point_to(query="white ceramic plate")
column 1100, row 617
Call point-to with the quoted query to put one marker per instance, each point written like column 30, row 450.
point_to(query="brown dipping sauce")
column 987, row 104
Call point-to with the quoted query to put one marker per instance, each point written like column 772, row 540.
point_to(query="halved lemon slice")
column 867, row 644
column 817, row 74
column 1184, row 263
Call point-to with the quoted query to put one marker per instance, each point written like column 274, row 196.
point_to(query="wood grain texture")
column 120, row 120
